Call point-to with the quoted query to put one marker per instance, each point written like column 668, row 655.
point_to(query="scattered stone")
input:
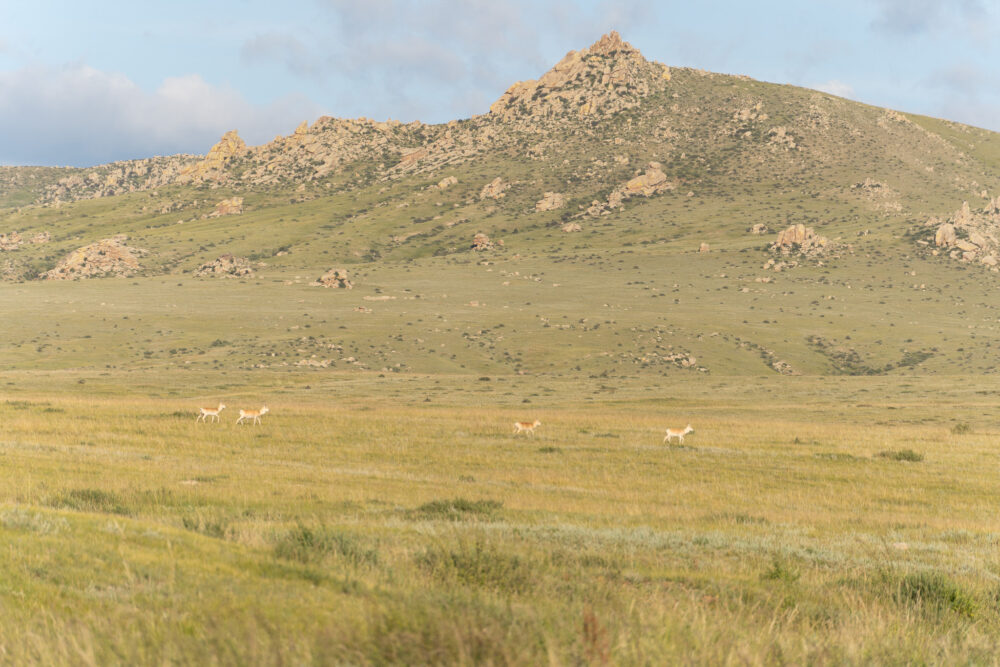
column 13, row 241
column 226, row 266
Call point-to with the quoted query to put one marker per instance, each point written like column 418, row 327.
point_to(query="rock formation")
column 335, row 278
column 213, row 166
column 652, row 182
column 800, row 238
column 13, row 241
column 226, row 266
column 232, row 206
column 103, row 258
column 971, row 235
column 550, row 202
column 481, row 242
column 495, row 189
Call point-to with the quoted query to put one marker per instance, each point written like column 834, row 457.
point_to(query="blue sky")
column 84, row 83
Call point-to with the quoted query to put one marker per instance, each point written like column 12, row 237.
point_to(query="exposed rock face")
column 213, row 166
column 13, row 241
column 335, row 278
column 550, row 202
column 233, row 206
column 607, row 77
column 648, row 184
column 495, row 189
column 226, row 266
column 971, row 234
column 801, row 238
column 570, row 227
column 103, row 258
column 481, row 242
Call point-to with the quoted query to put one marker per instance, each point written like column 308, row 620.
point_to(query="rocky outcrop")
column 970, row 235
column 226, row 266
column 446, row 182
column 214, row 164
column 570, row 227
column 608, row 77
column 801, row 239
column 758, row 228
column 336, row 279
column 232, row 206
column 495, row 189
column 550, row 202
column 13, row 241
column 481, row 242
column 108, row 257
column 647, row 184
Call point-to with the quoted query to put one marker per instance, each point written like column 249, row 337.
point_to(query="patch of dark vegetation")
column 124, row 503
column 781, row 571
column 460, row 509
column 479, row 566
column 739, row 518
column 549, row 450
column 961, row 428
column 25, row 405
column 314, row 545
column 836, row 456
column 936, row 591
column 900, row 455
column 217, row 527
column 848, row 361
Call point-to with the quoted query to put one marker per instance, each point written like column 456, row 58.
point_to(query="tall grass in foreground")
column 428, row 535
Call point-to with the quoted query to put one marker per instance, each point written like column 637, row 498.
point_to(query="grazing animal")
column 253, row 415
column 527, row 427
column 678, row 433
column 210, row 412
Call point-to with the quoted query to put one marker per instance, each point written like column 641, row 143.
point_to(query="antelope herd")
column 519, row 427
column 253, row 415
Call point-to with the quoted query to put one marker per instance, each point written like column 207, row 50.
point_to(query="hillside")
column 632, row 220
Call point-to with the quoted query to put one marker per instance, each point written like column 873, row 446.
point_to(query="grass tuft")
column 900, row 455
column 460, row 509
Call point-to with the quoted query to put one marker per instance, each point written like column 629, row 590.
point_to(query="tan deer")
column 210, row 412
column 678, row 433
column 526, row 427
column 253, row 415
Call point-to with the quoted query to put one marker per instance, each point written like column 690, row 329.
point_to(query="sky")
column 84, row 83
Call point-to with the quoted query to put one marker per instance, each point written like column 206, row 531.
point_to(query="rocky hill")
column 626, row 178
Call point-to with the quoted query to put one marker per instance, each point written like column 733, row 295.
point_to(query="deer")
column 678, row 433
column 253, row 415
column 210, row 412
column 526, row 427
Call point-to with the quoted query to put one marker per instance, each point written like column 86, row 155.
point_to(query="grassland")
column 396, row 519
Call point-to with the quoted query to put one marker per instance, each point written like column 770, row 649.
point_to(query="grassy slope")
column 774, row 536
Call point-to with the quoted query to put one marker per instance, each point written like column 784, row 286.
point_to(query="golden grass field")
column 806, row 520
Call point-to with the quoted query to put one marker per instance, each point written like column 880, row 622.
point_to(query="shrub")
column 937, row 591
column 310, row 545
column 900, row 455
column 961, row 428
column 460, row 509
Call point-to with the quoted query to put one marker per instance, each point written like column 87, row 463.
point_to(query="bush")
column 961, row 428
column 460, row 509
column 311, row 545
column 937, row 591
column 900, row 455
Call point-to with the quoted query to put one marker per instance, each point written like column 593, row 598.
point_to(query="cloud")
column 835, row 87
column 79, row 115
column 912, row 17
column 429, row 56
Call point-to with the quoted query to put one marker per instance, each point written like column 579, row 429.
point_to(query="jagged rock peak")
column 607, row 77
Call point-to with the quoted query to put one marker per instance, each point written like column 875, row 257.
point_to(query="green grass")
column 353, row 526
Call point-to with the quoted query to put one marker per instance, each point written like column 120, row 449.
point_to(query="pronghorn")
column 253, row 415
column 527, row 427
column 210, row 412
column 678, row 433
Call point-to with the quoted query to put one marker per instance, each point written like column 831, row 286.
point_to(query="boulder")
column 945, row 235
column 232, row 206
column 571, row 227
column 336, row 279
column 447, row 182
column 481, row 242
column 495, row 189
column 550, row 202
